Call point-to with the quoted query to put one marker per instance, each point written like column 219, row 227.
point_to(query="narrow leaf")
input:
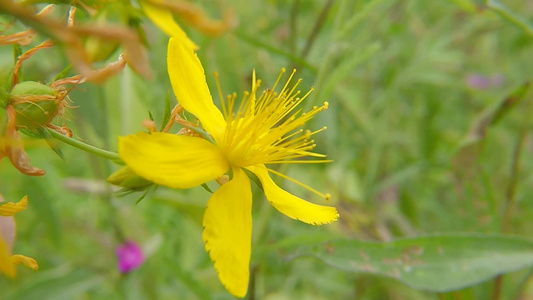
column 143, row 195
column 166, row 115
column 63, row 73
column 17, row 51
column 207, row 188
column 511, row 16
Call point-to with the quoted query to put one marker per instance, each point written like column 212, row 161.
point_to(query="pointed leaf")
column 166, row 115
column 63, row 73
column 511, row 16
column 437, row 263
column 51, row 142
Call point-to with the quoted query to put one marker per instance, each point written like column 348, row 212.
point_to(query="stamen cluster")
column 264, row 129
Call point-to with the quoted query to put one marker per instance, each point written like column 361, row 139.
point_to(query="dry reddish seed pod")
column 11, row 146
column 36, row 104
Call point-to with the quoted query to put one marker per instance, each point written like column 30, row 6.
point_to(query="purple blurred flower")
column 482, row 82
column 130, row 256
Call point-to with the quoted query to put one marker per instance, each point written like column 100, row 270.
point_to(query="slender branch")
column 85, row 147
column 497, row 291
column 510, row 204
column 293, row 26
column 510, row 197
column 318, row 25
column 256, row 42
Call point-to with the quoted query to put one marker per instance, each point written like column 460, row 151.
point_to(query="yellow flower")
column 263, row 130
column 7, row 238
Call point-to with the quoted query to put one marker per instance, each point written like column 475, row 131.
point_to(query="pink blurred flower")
column 130, row 256
column 483, row 82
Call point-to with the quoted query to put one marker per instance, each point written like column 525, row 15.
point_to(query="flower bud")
column 126, row 178
column 36, row 104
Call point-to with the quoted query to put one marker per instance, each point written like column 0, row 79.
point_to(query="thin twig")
column 318, row 25
column 85, row 147
column 510, row 195
column 293, row 26
column 256, row 42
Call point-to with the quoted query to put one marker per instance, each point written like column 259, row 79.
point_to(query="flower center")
column 266, row 129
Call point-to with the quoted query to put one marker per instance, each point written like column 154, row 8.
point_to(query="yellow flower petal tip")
column 10, row 208
column 292, row 206
column 227, row 232
column 25, row 260
column 187, row 77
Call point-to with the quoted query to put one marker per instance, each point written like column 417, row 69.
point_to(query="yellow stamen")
column 301, row 161
column 221, row 97
column 265, row 128
column 325, row 196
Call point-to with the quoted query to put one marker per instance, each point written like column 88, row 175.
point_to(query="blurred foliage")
column 417, row 149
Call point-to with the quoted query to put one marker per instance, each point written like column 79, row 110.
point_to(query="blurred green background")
column 423, row 132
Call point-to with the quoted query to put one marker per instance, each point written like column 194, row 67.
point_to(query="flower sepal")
column 127, row 179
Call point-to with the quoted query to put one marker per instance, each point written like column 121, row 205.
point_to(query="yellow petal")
column 176, row 161
column 25, row 260
column 228, row 232
column 292, row 206
column 188, row 82
column 6, row 266
column 165, row 21
column 10, row 208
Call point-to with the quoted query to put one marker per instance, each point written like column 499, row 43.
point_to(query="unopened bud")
column 126, row 178
column 36, row 104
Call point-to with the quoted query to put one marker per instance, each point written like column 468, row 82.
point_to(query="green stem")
column 293, row 25
column 316, row 29
column 510, row 199
column 85, row 147
column 256, row 42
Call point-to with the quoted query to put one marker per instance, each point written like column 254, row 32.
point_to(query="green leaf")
column 491, row 116
column 166, row 115
column 17, row 51
column 438, row 263
column 466, row 5
column 511, row 16
column 52, row 143
column 510, row 102
column 61, row 283
column 4, row 98
column 42, row 133
column 204, row 185
column 254, row 178
column 63, row 73
column 143, row 195
column 358, row 18
column 350, row 63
